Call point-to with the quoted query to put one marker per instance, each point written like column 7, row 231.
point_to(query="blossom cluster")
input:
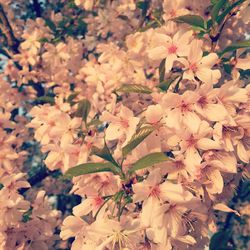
column 147, row 112
column 24, row 224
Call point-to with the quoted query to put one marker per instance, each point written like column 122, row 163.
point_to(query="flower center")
column 155, row 191
column 98, row 201
column 203, row 101
column 172, row 49
column 229, row 130
column 124, row 123
column 172, row 13
column 193, row 67
column 185, row 107
column 191, row 141
column 179, row 165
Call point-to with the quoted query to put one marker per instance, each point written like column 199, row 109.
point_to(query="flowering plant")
column 140, row 108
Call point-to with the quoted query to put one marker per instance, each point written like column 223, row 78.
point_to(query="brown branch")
column 215, row 38
column 7, row 30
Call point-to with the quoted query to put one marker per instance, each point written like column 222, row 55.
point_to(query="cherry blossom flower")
column 123, row 124
column 90, row 204
column 75, row 227
column 200, row 66
column 151, row 192
column 31, row 42
column 191, row 141
column 111, row 233
column 170, row 48
column 181, row 110
column 154, row 114
column 87, row 4
column 155, row 189
column 208, row 105
column 174, row 9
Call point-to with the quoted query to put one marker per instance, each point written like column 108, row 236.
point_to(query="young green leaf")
column 148, row 161
column 221, row 17
column 50, row 24
column 136, row 139
column 193, row 20
column 44, row 40
column 71, row 98
column 134, row 88
column 162, row 70
column 91, row 168
column 95, row 122
column 216, row 9
column 27, row 215
column 164, row 86
column 235, row 46
column 143, row 5
column 151, row 24
column 105, row 154
column 45, row 99
column 83, row 109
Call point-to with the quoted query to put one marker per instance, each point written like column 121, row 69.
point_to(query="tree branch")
column 6, row 28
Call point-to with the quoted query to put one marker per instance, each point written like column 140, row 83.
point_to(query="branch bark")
column 7, row 30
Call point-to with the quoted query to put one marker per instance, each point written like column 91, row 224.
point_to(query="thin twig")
column 216, row 38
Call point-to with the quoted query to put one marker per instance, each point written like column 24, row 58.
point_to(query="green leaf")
column 244, row 73
column 193, row 20
column 148, row 161
column 105, row 154
column 27, row 215
column 91, row 168
column 221, row 17
column 44, row 40
column 134, row 88
column 140, row 5
column 227, row 68
column 162, row 70
column 136, row 139
column 95, row 122
column 72, row 5
column 151, row 24
column 83, row 109
column 143, row 5
column 216, row 9
column 45, row 99
column 235, row 46
column 50, row 24
column 57, row 39
column 71, row 98
column 164, row 86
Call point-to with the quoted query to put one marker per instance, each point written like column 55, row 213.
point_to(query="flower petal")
column 207, row 144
